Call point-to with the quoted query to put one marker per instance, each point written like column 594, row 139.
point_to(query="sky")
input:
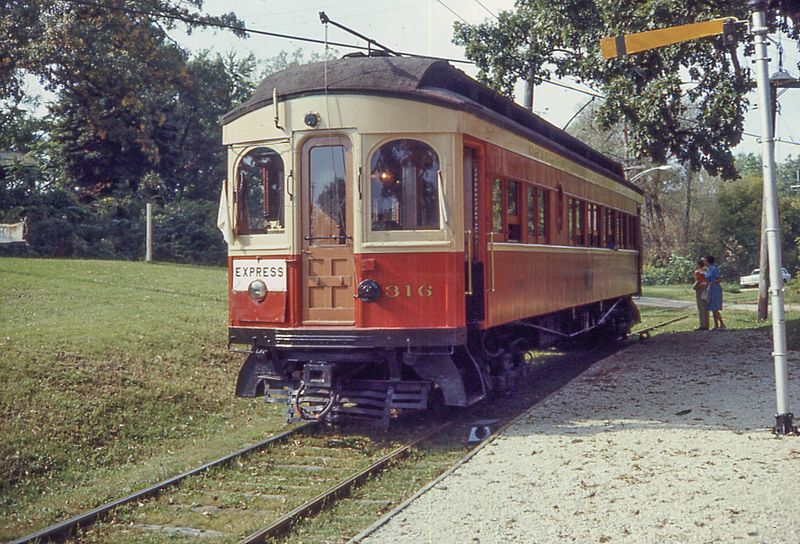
column 410, row 26
column 426, row 27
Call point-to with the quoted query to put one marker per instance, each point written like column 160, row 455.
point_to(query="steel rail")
column 645, row 333
column 65, row 528
column 284, row 524
column 499, row 428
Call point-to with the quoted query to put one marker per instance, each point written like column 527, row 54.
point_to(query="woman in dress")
column 701, row 294
column 713, row 278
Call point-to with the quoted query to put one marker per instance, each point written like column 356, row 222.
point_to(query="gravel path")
column 667, row 441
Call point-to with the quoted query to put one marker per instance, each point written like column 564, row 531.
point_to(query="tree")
column 735, row 221
column 789, row 175
column 115, row 73
column 646, row 92
column 284, row 60
column 675, row 203
column 192, row 163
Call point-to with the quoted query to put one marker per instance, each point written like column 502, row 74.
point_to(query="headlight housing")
column 257, row 290
column 369, row 291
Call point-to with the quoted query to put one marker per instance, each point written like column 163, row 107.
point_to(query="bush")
column 186, row 232
column 679, row 269
column 112, row 227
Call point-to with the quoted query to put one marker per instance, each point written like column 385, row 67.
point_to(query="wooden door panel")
column 328, row 269
column 329, row 286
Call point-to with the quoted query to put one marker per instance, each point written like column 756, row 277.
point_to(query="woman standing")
column 701, row 294
column 712, row 276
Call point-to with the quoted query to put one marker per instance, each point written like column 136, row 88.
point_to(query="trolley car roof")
column 428, row 80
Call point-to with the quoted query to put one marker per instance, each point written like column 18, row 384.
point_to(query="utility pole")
column 148, row 253
column 619, row 46
column 528, row 103
column 779, row 80
column 784, row 420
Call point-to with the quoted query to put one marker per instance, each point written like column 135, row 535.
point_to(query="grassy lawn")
column 732, row 294
column 734, row 319
column 113, row 375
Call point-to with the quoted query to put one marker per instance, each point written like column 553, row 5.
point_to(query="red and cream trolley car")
column 401, row 234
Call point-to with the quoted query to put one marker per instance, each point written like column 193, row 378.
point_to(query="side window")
column 404, row 184
column 571, row 204
column 610, row 228
column 593, row 226
column 532, row 201
column 538, row 213
column 577, row 221
column 513, row 212
column 543, row 211
column 497, row 206
column 622, row 230
column 259, row 192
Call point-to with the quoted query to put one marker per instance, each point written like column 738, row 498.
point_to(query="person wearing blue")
column 714, row 292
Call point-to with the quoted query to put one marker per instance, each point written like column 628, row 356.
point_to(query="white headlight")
column 257, row 290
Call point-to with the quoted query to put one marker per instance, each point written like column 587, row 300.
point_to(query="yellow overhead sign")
column 618, row 46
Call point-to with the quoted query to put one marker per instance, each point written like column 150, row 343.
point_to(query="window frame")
column 512, row 223
column 577, row 217
column 376, row 240
column 305, row 203
column 537, row 207
column 278, row 239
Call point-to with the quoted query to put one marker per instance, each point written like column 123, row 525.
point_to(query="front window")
column 259, row 192
column 405, row 186
column 328, row 202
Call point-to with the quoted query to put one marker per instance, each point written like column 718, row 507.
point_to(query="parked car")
column 752, row 279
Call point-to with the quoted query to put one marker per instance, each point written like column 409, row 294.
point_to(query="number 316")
column 394, row 291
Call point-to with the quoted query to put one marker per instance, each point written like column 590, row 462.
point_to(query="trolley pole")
column 784, row 423
column 148, row 253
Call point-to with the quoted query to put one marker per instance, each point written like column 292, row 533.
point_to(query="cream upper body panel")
column 370, row 121
column 506, row 139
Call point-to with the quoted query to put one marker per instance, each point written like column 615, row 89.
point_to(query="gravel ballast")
column 667, row 441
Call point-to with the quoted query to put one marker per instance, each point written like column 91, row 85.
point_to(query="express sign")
column 271, row 271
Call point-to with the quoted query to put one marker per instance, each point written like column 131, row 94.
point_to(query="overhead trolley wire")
column 481, row 4
column 201, row 22
column 249, row 30
column 557, row 84
column 448, row 8
column 593, row 94
column 777, row 140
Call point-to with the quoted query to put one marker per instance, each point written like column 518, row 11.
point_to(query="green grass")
column 112, row 376
column 115, row 375
column 732, row 294
column 734, row 319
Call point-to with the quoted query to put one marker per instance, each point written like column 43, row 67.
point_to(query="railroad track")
column 548, row 375
column 265, row 491
column 66, row 528
column 644, row 333
column 232, row 496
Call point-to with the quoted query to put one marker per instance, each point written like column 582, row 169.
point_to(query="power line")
column 777, row 140
column 577, row 90
column 487, row 9
column 577, row 113
column 562, row 85
column 454, row 13
column 202, row 22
